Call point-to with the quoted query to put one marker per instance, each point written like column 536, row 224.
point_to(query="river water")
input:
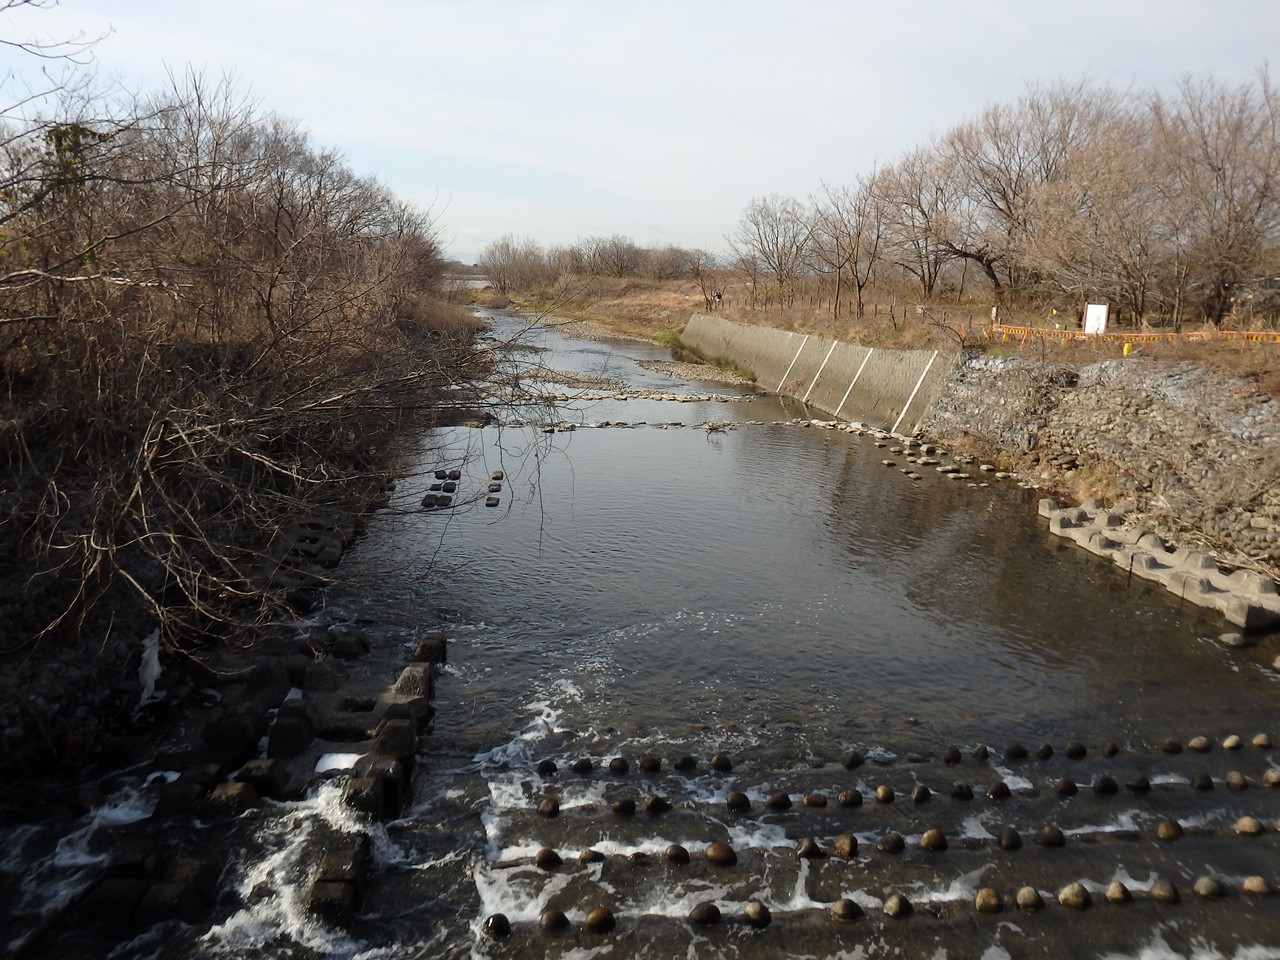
column 713, row 577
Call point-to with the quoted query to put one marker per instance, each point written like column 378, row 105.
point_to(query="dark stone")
column 981, row 752
column 432, row 648
column 395, row 782
column 998, row 790
column 176, row 799
column 897, row 906
column 676, row 854
column 350, row 865
column 546, row 768
column 756, row 914
column 229, row 800
column 590, row 856
column 1015, row 751
column 233, row 738
column 332, row 903
column 808, row 849
column 553, row 921
column 721, row 854
column 497, row 927
column 1076, row 750
column 1051, row 836
column 1029, row 899
column 415, row 680
column 1076, row 896
column 1168, row 830
column 619, row 766
column 845, row 910
column 853, row 760
column 1202, row 781
column 1139, row 784
column 845, row 846
column 704, row 915
column 951, row 755
column 650, row 764
column 1066, row 787
column 1171, row 746
column 349, row 646
column 1110, row 749
column 884, row 793
column 600, row 920
column 962, row 791
column 137, row 859
column 322, row 677
column 547, row 859
column 891, row 842
column 624, row 807
column 850, row 798
column 365, row 794
column 201, row 874
column 657, row 805
column 269, row 777
column 920, row 793
column 1044, row 751
column 738, row 802
column 1105, row 785
column 113, row 901
column 1010, row 839
column 779, row 801
column 987, row 900
column 685, row 764
column 397, row 739
column 582, row 766
column 549, row 807
column 815, row 800
column 933, row 840
column 449, row 486
column 721, row 763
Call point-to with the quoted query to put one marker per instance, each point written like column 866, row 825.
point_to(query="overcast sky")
column 658, row 120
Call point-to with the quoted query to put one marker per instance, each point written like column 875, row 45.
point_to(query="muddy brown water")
column 774, row 594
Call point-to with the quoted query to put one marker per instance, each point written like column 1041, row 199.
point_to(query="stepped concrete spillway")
column 889, row 389
column 1244, row 598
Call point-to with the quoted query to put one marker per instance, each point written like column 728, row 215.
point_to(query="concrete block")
column 289, row 736
column 414, row 681
column 171, row 900
column 269, row 777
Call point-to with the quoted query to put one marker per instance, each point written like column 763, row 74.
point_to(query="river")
column 721, row 577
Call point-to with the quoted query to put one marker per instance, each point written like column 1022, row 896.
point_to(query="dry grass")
column 659, row 310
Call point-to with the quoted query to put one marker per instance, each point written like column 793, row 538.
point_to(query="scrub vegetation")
column 209, row 327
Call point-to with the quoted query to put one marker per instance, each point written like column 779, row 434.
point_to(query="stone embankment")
column 1195, row 453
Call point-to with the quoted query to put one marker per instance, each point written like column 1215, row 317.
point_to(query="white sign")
column 1095, row 317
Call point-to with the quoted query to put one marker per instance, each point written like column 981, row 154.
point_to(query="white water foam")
column 273, row 885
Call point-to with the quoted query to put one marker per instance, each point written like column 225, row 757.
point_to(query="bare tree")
column 774, row 232
column 848, row 231
column 1221, row 149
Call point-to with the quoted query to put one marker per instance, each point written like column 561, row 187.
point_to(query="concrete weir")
column 890, row 389
column 1244, row 598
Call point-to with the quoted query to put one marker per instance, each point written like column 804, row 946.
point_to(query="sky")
column 658, row 120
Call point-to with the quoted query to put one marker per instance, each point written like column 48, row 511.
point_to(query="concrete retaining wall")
column 889, row 389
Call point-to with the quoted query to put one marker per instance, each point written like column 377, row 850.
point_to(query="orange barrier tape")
column 1007, row 330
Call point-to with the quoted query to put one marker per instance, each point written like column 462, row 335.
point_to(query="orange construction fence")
column 1005, row 331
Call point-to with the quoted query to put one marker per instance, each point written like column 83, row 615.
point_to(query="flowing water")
column 713, row 578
